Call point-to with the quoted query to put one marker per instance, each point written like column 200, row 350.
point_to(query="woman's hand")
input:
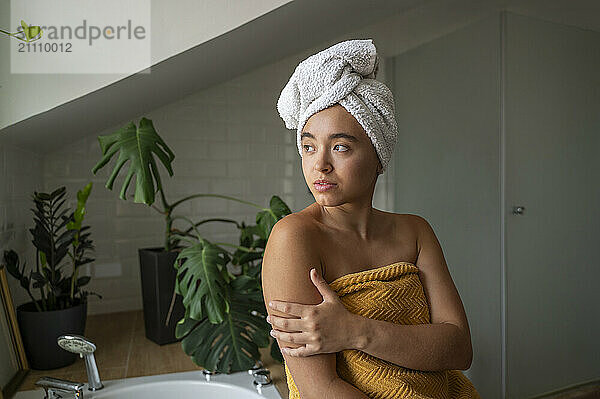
column 323, row 328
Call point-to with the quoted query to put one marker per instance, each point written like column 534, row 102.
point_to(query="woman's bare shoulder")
column 304, row 221
column 295, row 223
column 399, row 215
column 403, row 220
column 416, row 222
column 293, row 236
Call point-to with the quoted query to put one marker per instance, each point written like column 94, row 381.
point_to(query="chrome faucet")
column 53, row 386
column 80, row 344
column 262, row 377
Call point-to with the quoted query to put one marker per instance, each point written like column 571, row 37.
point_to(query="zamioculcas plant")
column 224, row 322
column 57, row 233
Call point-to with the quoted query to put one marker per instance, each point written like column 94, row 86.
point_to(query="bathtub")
column 188, row 384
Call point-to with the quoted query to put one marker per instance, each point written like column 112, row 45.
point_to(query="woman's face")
column 336, row 148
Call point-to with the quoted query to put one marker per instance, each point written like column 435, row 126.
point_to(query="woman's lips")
column 324, row 187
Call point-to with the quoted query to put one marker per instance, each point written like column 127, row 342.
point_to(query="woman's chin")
column 326, row 200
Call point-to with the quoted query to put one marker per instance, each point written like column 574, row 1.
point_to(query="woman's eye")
column 337, row 145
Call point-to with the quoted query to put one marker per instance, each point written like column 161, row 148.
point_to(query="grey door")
column 552, row 169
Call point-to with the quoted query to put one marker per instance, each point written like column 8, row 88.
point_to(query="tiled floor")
column 124, row 351
column 590, row 391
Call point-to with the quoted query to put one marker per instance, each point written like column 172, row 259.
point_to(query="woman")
column 362, row 298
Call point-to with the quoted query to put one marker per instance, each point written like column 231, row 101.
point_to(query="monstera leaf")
column 201, row 281
column 233, row 344
column 267, row 218
column 224, row 323
column 247, row 240
column 136, row 145
column 279, row 208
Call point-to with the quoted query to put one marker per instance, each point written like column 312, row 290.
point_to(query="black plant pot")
column 40, row 331
column 158, row 283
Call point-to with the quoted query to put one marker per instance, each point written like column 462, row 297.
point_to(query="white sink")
column 189, row 384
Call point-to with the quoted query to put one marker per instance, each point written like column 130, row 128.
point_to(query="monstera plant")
column 224, row 322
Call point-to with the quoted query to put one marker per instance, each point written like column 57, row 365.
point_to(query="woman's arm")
column 289, row 255
column 426, row 347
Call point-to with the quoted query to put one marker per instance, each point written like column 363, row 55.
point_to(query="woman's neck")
column 358, row 220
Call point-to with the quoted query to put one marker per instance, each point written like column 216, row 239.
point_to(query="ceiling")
column 299, row 25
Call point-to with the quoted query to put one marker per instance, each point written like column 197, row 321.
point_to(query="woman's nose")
column 323, row 166
column 322, row 163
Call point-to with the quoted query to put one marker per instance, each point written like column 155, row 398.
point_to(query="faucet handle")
column 262, row 377
column 53, row 385
column 257, row 366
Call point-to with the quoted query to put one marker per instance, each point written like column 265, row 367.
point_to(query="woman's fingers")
column 294, row 337
column 292, row 308
column 298, row 352
column 284, row 324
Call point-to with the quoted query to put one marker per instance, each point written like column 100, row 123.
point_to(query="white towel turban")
column 343, row 73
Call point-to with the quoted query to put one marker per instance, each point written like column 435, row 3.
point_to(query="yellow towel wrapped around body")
column 391, row 293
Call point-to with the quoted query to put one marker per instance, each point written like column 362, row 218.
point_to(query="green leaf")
column 58, row 193
column 254, row 272
column 47, row 236
column 40, row 280
column 136, row 145
column 198, row 336
column 184, row 326
column 201, row 282
column 81, row 281
column 82, row 196
column 265, row 220
column 276, row 352
column 32, row 32
column 279, row 207
column 233, row 344
column 245, row 283
column 11, row 261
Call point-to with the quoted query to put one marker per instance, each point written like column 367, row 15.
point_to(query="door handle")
column 518, row 210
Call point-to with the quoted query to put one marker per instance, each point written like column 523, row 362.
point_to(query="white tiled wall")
column 20, row 176
column 227, row 139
